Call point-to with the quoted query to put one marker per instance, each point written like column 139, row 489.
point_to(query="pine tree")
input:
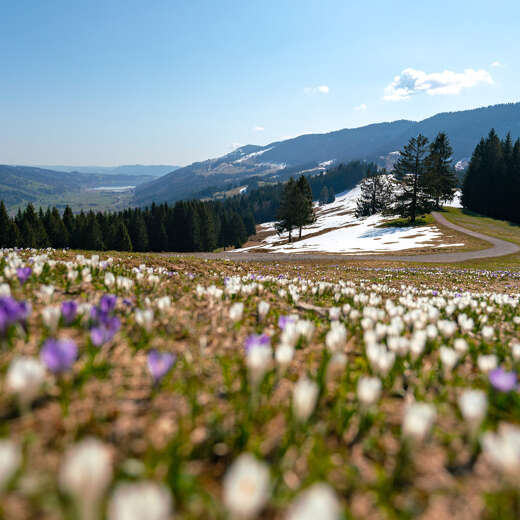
column 93, row 238
column 239, row 230
column 139, row 236
column 411, row 198
column 121, row 239
column 287, row 210
column 439, row 179
column 376, row 194
column 304, row 212
column 5, row 227
column 324, row 195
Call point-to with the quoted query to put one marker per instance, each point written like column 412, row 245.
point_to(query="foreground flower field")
column 146, row 387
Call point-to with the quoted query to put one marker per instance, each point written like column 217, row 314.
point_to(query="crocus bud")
column 138, row 500
column 369, row 390
column 305, row 395
column 317, row 502
column 25, row 377
column 85, row 474
column 418, row 421
column 246, row 487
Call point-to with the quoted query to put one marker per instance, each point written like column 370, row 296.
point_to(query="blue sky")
column 171, row 82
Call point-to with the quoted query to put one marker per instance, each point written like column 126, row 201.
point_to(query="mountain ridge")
column 371, row 142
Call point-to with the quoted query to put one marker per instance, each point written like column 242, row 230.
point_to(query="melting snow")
column 337, row 230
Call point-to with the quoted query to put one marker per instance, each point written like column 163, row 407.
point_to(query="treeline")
column 492, row 183
column 186, row 226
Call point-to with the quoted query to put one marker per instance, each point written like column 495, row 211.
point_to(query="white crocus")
column 449, row 358
column 144, row 318
column 502, row 450
column 236, row 311
column 486, row 363
column 258, row 360
column 369, row 390
column 460, row 345
column 305, row 395
column 24, row 378
column 488, row 333
column 418, row 421
column 85, row 474
column 10, row 460
column 263, row 309
column 515, row 349
column 317, row 502
column 163, row 304
column 473, row 406
column 336, row 337
column 138, row 500
column 110, row 279
column 246, row 487
column 51, row 317
column 284, row 355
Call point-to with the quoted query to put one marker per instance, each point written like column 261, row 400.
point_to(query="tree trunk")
column 290, row 235
column 300, row 233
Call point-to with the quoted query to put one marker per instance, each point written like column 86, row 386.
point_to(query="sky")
column 171, row 82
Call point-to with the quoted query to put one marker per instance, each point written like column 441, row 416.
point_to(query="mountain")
column 153, row 170
column 22, row 184
column 315, row 152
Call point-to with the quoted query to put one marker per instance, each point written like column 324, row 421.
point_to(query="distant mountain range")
column 316, row 152
column 154, row 170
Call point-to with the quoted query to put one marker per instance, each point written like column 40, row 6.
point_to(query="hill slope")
column 22, row 184
column 316, row 151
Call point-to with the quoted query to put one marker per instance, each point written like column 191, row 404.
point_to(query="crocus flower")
column 69, row 310
column 23, row 274
column 318, row 501
column 246, row 487
column 159, row 363
column 85, row 473
column 104, row 332
column 257, row 340
column 11, row 457
column 501, row 380
column 137, row 500
column 107, row 303
column 11, row 312
column 58, row 355
column 283, row 321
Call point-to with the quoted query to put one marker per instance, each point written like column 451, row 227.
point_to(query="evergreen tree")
column 324, row 196
column 412, row 198
column 239, row 230
column 440, row 180
column 93, row 238
column 376, row 194
column 121, row 240
column 5, row 227
column 304, row 212
column 139, row 236
column 287, row 210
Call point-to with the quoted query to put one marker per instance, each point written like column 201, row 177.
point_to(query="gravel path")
column 499, row 248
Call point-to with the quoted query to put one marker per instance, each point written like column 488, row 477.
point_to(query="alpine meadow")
column 260, row 260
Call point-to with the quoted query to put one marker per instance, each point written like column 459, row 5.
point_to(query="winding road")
column 498, row 248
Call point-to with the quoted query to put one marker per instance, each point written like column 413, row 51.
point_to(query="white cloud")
column 258, row 128
column 497, row 64
column 361, row 107
column 412, row 81
column 322, row 89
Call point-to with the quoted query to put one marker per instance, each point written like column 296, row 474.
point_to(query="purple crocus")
column 107, row 303
column 257, row 340
column 58, row 355
column 104, row 332
column 283, row 321
column 501, row 380
column 11, row 312
column 69, row 309
column 159, row 363
column 23, row 274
